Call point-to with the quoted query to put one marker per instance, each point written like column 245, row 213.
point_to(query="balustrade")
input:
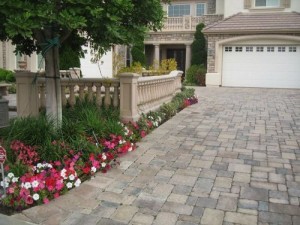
column 134, row 94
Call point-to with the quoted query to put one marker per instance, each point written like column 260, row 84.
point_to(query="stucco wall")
column 232, row 7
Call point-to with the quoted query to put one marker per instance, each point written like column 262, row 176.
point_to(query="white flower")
column 130, row 149
column 5, row 183
column 103, row 164
column 69, row 185
column 77, row 183
column 49, row 165
column 35, row 184
column 27, row 185
column 7, row 179
column 63, row 173
column 36, row 196
column 10, row 175
column 104, row 156
column 15, row 179
column 71, row 177
column 93, row 169
column 39, row 165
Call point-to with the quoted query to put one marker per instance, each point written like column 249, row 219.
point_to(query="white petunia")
column 10, row 175
column 35, row 184
column 71, row 177
column 5, row 183
column 15, row 179
column 39, row 165
column 93, row 169
column 36, row 196
column 103, row 164
column 130, row 149
column 27, row 185
column 77, row 183
column 69, row 185
column 104, row 156
column 63, row 173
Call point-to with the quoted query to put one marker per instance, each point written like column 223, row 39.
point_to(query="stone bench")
column 4, row 89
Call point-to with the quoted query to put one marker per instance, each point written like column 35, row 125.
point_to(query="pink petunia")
column 46, row 200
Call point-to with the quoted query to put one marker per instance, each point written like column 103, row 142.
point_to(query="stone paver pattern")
column 233, row 158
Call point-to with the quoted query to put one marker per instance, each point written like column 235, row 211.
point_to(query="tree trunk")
column 53, row 87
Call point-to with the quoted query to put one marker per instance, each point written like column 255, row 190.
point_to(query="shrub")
column 7, row 76
column 195, row 75
column 199, row 52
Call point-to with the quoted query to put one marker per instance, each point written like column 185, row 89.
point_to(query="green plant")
column 195, row 75
column 199, row 52
column 12, row 89
column 7, row 76
column 135, row 68
column 137, row 53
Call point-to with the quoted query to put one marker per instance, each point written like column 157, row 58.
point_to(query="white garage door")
column 261, row 66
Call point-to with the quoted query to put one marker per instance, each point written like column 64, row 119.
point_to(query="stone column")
column 129, row 96
column 187, row 56
column 27, row 94
column 156, row 60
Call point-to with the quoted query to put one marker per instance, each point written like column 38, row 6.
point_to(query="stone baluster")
column 116, row 94
column 72, row 100
column 107, row 98
column 90, row 92
column 63, row 95
column 81, row 92
column 98, row 95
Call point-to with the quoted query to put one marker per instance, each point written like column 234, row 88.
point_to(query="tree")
column 45, row 25
column 199, row 53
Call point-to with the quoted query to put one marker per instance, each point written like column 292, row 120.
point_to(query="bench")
column 4, row 89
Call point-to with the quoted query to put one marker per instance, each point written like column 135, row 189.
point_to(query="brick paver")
column 231, row 159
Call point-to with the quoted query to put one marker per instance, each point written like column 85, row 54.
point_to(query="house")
column 256, row 45
column 177, row 35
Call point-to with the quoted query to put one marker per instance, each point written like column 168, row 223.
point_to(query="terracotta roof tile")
column 257, row 23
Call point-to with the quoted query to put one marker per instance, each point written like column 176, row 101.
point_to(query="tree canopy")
column 44, row 25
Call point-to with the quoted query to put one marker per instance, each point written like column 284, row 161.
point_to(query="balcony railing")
column 189, row 23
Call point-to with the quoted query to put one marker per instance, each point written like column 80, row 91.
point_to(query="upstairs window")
column 200, row 9
column 179, row 10
column 267, row 3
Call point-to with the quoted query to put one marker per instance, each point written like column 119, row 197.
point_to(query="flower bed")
column 38, row 171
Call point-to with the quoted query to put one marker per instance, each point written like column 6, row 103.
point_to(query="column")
column 187, row 56
column 156, row 60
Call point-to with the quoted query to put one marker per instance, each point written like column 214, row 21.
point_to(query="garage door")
column 261, row 66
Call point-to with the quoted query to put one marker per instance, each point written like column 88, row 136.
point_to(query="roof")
column 279, row 22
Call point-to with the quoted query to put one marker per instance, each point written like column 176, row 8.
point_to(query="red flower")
column 143, row 133
column 29, row 200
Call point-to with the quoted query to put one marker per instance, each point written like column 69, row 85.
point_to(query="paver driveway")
column 231, row 159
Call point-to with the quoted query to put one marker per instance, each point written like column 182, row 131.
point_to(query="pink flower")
column 143, row 133
column 11, row 190
column 46, row 200
column 55, row 195
column 29, row 200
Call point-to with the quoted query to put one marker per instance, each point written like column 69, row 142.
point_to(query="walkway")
column 231, row 159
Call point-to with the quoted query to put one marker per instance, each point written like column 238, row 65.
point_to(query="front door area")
column 179, row 56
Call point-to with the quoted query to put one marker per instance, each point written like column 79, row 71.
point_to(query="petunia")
column 77, row 183
column 36, row 196
column 69, row 185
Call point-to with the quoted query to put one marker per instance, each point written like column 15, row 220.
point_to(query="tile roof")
column 279, row 22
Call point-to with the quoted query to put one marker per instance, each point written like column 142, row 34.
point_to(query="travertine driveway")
column 231, row 159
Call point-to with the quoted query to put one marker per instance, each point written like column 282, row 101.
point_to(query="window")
column 293, row 49
column 200, row 10
column 228, row 49
column 249, row 49
column 260, row 49
column 238, row 49
column 270, row 49
column 281, row 49
column 267, row 3
column 178, row 10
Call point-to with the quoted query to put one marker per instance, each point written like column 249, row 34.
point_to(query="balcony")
column 189, row 23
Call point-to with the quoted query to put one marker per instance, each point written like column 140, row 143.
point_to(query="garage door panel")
column 261, row 69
